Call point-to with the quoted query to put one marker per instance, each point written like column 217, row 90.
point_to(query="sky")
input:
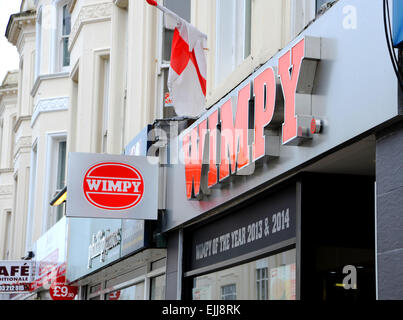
column 9, row 59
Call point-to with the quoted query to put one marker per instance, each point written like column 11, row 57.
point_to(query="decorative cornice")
column 6, row 170
column 23, row 145
column 11, row 78
column 17, row 22
column 20, row 120
column 90, row 14
column 8, row 91
column 24, row 142
column 49, row 105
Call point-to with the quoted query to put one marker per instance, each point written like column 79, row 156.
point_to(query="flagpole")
column 163, row 9
column 167, row 11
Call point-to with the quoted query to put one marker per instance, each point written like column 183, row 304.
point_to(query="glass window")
column 158, row 288
column 65, row 32
column 262, row 283
column 233, row 37
column 61, row 166
column 94, row 291
column 61, row 176
column 182, row 9
column 319, row 3
column 135, row 292
column 271, row 278
column 228, row 292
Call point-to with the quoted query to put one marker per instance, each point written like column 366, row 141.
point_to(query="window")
column 135, row 292
column 61, row 33
column 55, row 177
column 182, row 9
column 270, row 278
column 233, row 37
column 61, row 176
column 303, row 12
column 319, row 3
column 61, row 166
column 64, row 37
column 158, row 288
column 262, row 282
column 228, row 292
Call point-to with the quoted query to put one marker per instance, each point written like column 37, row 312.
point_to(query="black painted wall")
column 389, row 178
column 337, row 230
column 172, row 266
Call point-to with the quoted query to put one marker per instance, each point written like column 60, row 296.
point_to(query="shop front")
column 276, row 196
column 49, row 258
column 249, row 253
column 115, row 260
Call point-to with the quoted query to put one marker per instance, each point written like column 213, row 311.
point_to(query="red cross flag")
column 188, row 70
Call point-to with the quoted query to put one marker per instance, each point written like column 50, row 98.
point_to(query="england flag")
column 188, row 69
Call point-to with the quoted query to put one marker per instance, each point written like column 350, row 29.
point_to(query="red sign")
column 113, row 186
column 114, row 295
column 60, row 291
column 239, row 126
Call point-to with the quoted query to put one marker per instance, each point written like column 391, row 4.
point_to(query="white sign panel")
column 15, row 276
column 112, row 186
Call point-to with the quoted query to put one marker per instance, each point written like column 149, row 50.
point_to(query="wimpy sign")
column 273, row 108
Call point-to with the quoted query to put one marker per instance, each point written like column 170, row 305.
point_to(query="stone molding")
column 17, row 23
column 23, row 145
column 6, row 170
column 50, row 105
column 90, row 14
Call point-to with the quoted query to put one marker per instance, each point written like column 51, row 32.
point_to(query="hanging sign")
column 59, row 290
column 112, row 186
column 16, row 276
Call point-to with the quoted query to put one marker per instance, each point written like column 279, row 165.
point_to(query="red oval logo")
column 113, row 186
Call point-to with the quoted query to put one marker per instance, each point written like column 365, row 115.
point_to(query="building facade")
column 300, row 196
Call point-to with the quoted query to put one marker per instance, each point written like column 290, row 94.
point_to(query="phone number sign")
column 15, row 288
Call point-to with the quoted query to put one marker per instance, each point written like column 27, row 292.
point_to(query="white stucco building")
column 92, row 75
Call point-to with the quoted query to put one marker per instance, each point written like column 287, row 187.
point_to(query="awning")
column 59, row 198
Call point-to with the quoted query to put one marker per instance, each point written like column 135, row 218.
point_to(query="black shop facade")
column 272, row 193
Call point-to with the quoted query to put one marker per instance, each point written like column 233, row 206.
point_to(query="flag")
column 188, row 69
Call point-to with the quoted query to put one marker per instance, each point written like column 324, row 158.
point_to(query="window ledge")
column 43, row 77
column 243, row 71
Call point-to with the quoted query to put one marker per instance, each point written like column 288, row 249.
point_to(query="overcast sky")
column 9, row 59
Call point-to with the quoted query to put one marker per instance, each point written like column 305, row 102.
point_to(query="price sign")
column 60, row 291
